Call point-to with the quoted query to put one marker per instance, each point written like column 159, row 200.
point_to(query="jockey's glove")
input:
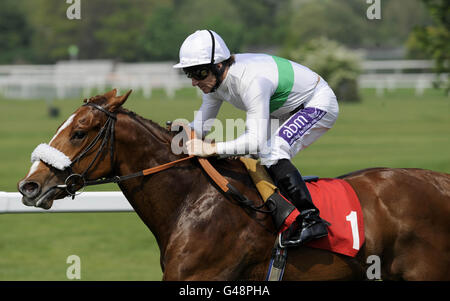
column 201, row 148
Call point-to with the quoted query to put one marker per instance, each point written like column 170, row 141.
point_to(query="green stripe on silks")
column 285, row 83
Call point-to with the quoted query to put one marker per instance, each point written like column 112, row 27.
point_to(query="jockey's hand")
column 201, row 148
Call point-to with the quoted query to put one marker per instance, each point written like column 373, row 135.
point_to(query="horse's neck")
column 177, row 203
column 141, row 144
column 156, row 198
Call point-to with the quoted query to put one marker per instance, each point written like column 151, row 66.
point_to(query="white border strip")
column 103, row 201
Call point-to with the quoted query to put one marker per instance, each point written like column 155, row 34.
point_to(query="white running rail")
column 104, row 201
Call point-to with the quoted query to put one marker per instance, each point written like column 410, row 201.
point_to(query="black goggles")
column 197, row 73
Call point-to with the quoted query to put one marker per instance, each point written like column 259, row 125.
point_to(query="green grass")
column 111, row 246
column 397, row 130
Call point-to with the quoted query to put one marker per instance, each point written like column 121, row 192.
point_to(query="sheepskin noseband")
column 50, row 155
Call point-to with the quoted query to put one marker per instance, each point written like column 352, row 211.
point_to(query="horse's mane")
column 144, row 121
column 147, row 123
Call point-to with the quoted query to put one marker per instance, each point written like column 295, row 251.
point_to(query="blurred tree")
column 433, row 41
column 15, row 33
column 335, row 20
column 339, row 66
column 162, row 34
column 221, row 16
column 346, row 21
column 134, row 30
column 122, row 30
column 264, row 20
column 171, row 22
column 53, row 32
column 107, row 30
column 398, row 19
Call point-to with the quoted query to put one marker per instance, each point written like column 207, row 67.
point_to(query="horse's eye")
column 78, row 135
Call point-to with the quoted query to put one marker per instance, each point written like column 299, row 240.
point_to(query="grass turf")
column 397, row 130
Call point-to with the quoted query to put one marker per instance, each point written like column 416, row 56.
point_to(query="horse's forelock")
column 98, row 99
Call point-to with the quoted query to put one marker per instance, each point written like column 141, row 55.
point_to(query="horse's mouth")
column 44, row 200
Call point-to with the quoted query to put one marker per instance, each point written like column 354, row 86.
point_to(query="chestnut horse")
column 203, row 235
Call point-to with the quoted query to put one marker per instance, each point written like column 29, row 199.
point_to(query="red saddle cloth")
column 339, row 205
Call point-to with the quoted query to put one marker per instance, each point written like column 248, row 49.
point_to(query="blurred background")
column 387, row 61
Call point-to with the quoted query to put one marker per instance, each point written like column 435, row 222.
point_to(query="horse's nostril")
column 29, row 189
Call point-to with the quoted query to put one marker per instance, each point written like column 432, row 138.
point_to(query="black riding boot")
column 308, row 225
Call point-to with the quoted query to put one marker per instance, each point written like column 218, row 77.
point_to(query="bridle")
column 76, row 182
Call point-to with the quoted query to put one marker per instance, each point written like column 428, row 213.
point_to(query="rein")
column 75, row 182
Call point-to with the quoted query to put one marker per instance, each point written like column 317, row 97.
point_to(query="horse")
column 203, row 235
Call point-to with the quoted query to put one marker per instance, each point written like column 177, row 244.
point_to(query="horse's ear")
column 118, row 101
column 110, row 94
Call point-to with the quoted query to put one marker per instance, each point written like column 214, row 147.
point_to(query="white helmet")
column 202, row 47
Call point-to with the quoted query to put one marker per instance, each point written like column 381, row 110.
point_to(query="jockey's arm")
column 204, row 118
column 256, row 100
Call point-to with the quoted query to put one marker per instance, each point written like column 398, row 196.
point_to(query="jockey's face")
column 206, row 84
column 203, row 77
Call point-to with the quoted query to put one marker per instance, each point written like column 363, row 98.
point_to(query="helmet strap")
column 213, row 47
column 218, row 72
column 213, row 67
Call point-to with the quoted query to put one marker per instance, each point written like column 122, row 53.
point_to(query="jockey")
column 271, row 90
